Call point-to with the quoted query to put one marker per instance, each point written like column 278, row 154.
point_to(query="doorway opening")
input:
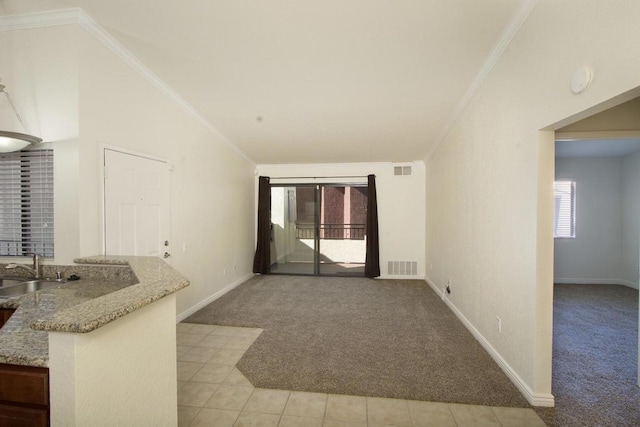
column 595, row 267
column 318, row 229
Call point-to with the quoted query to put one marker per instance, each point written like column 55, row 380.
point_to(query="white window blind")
column 565, row 209
column 26, row 203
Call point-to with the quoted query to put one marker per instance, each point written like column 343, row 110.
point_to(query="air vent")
column 402, row 268
column 402, row 170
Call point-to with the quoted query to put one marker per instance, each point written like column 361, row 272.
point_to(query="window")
column 26, row 203
column 564, row 193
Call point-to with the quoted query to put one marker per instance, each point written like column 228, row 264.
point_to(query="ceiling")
column 313, row 81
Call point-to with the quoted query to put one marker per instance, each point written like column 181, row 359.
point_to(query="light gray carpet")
column 385, row 338
column 595, row 357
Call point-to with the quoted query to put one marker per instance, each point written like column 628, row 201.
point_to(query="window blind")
column 565, row 211
column 26, row 203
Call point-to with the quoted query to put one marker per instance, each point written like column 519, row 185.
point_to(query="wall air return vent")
column 402, row 170
column 402, row 268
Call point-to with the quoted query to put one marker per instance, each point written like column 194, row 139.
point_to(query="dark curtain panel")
column 372, row 259
column 262, row 259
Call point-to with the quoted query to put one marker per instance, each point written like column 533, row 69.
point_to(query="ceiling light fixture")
column 15, row 141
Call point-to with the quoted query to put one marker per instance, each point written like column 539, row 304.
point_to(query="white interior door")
column 136, row 205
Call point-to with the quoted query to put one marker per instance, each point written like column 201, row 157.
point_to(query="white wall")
column 595, row 255
column 212, row 207
column 631, row 219
column 605, row 249
column 84, row 95
column 400, row 204
column 489, row 184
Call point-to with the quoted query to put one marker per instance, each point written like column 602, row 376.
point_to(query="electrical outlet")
column 224, row 271
column 446, row 288
column 499, row 324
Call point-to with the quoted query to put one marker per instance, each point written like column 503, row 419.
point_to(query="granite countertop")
column 82, row 306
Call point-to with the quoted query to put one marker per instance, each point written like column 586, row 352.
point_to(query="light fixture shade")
column 14, row 141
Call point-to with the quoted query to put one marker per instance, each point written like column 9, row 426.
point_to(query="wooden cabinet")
column 24, row 396
column 5, row 314
column 18, row 416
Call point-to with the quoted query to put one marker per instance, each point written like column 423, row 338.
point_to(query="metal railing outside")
column 331, row 231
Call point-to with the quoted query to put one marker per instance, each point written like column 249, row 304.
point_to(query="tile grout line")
column 199, row 408
column 245, row 403
column 284, row 408
column 452, row 416
column 495, row 414
column 366, row 409
column 326, row 406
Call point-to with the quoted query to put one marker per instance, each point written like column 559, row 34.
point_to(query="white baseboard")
column 582, row 281
column 535, row 399
column 212, row 298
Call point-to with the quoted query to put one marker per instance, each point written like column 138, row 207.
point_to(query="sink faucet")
column 35, row 270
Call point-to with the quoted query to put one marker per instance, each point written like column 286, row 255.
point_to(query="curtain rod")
column 318, row 177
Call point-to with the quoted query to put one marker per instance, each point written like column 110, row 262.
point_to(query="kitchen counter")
column 82, row 306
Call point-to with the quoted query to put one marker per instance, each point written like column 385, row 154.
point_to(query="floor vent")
column 403, row 268
column 402, row 170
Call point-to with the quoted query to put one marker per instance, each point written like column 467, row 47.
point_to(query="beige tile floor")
column 213, row 392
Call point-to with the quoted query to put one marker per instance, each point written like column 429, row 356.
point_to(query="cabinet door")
column 15, row 416
column 24, row 385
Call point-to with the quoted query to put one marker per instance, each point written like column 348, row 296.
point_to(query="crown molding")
column 78, row 16
column 45, row 19
column 512, row 29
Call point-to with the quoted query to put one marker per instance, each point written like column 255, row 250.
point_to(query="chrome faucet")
column 35, row 270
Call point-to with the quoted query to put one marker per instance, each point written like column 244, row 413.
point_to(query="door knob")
column 166, row 255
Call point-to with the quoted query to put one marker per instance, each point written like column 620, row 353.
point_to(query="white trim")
column 106, row 146
column 78, row 16
column 608, row 134
column 535, row 399
column 491, row 60
column 212, row 298
column 583, row 281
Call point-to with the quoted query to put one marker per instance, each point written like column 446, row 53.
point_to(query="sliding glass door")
column 293, row 225
column 318, row 229
column 342, row 245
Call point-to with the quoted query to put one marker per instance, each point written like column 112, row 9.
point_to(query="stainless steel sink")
column 10, row 281
column 23, row 287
